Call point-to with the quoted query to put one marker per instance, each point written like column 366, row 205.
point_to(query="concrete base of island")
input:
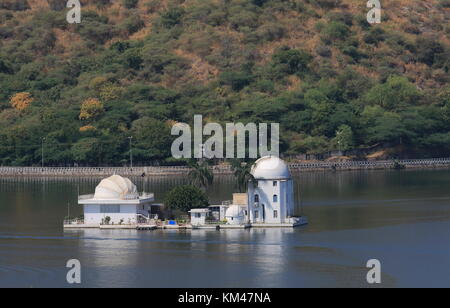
column 300, row 221
column 111, row 227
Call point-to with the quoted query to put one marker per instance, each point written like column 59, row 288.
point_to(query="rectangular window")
column 110, row 208
column 256, row 214
column 275, row 198
column 197, row 215
column 275, row 214
column 275, row 183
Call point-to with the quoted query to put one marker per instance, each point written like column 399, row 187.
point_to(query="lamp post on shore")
column 42, row 152
column 131, row 153
column 339, row 137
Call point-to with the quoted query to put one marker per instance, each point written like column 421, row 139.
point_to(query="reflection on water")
column 400, row 218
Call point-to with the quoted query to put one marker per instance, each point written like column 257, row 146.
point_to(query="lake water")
column 401, row 218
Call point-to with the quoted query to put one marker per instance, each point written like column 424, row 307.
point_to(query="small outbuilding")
column 198, row 216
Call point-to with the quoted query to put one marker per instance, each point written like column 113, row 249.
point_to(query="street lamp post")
column 42, row 152
column 131, row 153
column 339, row 136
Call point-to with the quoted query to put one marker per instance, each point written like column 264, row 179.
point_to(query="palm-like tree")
column 242, row 172
column 200, row 174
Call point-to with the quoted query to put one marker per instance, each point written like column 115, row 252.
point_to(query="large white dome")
column 116, row 187
column 270, row 168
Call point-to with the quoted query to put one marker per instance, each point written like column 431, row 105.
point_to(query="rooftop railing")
column 76, row 221
column 86, row 197
column 146, row 195
column 134, row 196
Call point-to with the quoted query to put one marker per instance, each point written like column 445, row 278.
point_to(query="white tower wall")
column 275, row 192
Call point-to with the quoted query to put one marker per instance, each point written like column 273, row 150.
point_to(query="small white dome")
column 234, row 211
column 270, row 168
column 116, row 187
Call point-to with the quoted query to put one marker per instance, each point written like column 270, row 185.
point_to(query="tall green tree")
column 242, row 172
column 396, row 93
column 344, row 138
column 200, row 174
column 153, row 139
column 184, row 198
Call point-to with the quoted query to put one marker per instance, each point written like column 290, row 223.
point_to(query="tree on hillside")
column 428, row 50
column 344, row 138
column 396, row 93
column 130, row 4
column 152, row 139
column 91, row 109
column 21, row 101
column 381, row 126
column 291, row 61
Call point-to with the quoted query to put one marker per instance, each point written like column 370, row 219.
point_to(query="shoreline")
column 437, row 163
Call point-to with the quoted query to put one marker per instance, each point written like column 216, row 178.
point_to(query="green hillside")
column 135, row 67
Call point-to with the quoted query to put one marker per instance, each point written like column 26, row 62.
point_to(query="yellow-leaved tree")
column 21, row 101
column 91, row 109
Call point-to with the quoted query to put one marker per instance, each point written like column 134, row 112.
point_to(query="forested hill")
column 135, row 67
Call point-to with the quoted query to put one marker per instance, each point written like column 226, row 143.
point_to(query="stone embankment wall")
column 221, row 169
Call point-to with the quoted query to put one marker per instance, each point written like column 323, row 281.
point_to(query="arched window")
column 275, row 198
column 256, row 198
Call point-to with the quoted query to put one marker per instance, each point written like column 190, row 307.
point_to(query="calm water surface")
column 401, row 218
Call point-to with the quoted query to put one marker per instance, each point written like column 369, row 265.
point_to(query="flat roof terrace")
column 142, row 198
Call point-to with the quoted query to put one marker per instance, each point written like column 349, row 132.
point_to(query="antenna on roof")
column 300, row 196
column 301, row 205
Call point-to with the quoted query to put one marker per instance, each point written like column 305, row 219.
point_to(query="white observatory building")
column 269, row 201
column 271, row 198
column 116, row 202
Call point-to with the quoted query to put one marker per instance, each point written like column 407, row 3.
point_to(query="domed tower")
column 271, row 198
